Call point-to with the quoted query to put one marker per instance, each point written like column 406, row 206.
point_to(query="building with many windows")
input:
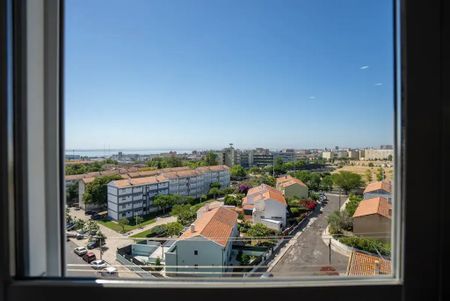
column 134, row 196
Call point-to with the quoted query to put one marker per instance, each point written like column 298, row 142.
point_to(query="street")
column 309, row 253
column 76, row 266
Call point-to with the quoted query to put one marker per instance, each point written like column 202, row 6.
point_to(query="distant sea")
column 110, row 152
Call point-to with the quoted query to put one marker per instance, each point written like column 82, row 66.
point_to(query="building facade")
column 205, row 248
column 134, row 196
column 266, row 206
column 292, row 187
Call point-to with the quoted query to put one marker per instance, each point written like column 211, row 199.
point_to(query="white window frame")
column 39, row 78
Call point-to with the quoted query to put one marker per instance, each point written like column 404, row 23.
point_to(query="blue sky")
column 171, row 74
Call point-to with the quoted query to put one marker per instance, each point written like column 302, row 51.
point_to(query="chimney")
column 377, row 267
column 192, row 227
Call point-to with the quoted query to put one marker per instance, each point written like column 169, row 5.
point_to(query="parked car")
column 71, row 234
column 80, row 251
column 94, row 244
column 89, row 212
column 89, row 257
column 109, row 272
column 70, row 226
column 80, row 236
column 99, row 264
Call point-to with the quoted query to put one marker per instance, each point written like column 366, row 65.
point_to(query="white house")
column 205, row 248
column 267, row 206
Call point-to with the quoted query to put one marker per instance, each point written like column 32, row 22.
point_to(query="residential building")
column 286, row 156
column 362, row 264
column 292, row 187
column 266, row 205
column 327, row 155
column 378, row 154
column 134, row 195
column 379, row 189
column 231, row 156
column 372, row 219
column 261, row 157
column 205, row 248
column 353, row 154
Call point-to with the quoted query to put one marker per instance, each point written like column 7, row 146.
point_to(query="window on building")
column 195, row 252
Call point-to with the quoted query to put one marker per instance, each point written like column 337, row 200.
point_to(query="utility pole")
column 329, row 252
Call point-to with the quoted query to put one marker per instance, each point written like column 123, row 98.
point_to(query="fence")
column 133, row 267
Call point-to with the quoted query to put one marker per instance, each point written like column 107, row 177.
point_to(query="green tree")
column 303, row 175
column 279, row 167
column 380, row 174
column 255, row 170
column 389, row 158
column 314, row 181
column 215, row 185
column 123, row 222
column 214, row 192
column 238, row 172
column 96, row 191
column 138, row 220
column 165, row 201
column 259, row 230
column 186, row 217
column 174, row 229
column 211, row 159
column 339, row 221
column 368, row 175
column 327, row 183
column 69, row 218
column 72, row 192
column 347, row 180
column 352, row 204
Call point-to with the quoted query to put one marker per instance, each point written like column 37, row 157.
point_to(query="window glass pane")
column 229, row 139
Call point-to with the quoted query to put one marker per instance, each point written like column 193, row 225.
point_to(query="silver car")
column 99, row 264
column 80, row 251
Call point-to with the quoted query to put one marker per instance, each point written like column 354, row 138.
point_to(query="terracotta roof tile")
column 361, row 264
column 377, row 205
column 216, row 225
column 381, row 185
column 288, row 180
column 261, row 193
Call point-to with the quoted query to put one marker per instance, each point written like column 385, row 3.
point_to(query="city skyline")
column 309, row 74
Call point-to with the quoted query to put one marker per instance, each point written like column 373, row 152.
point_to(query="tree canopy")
column 347, row 180
column 237, row 171
column 96, row 191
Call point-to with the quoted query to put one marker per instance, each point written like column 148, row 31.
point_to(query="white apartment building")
column 134, row 197
column 378, row 154
column 131, row 197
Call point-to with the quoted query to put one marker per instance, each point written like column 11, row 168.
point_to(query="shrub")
column 367, row 244
column 309, row 204
column 352, row 204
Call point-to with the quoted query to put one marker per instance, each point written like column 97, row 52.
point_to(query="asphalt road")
column 77, row 267
column 309, row 253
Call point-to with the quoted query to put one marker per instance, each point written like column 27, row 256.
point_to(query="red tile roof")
column 263, row 192
column 288, row 180
column 216, row 225
column 377, row 205
column 381, row 185
column 361, row 264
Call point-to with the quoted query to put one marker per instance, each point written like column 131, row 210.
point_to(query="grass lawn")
column 113, row 225
column 142, row 234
